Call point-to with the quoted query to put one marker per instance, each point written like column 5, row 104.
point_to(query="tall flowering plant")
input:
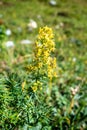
column 43, row 64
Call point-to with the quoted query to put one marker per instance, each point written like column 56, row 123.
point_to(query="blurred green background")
column 20, row 21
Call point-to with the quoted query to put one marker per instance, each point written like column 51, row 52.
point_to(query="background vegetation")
column 66, row 108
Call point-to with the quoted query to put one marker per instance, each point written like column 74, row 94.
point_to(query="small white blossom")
column 61, row 24
column 32, row 25
column 19, row 29
column 26, row 41
column 57, row 27
column 8, row 32
column 74, row 90
column 9, row 44
column 52, row 2
column 74, row 59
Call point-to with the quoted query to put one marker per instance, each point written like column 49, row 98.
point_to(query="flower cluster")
column 44, row 64
column 44, row 46
column 36, row 85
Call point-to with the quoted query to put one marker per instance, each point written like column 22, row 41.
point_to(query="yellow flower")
column 37, row 85
column 46, row 54
column 30, row 68
column 40, row 64
column 34, row 88
column 55, row 74
column 43, row 61
column 54, row 62
column 43, row 48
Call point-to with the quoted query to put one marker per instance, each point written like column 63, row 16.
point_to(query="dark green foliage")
column 21, row 109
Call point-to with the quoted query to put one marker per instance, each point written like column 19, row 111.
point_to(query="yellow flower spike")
column 44, row 46
column 43, row 63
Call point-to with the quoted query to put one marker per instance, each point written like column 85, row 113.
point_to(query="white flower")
column 52, row 2
column 61, row 24
column 8, row 32
column 32, row 25
column 26, row 41
column 19, row 29
column 74, row 59
column 57, row 27
column 9, row 44
column 74, row 90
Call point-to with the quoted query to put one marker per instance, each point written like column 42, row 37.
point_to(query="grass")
column 68, row 19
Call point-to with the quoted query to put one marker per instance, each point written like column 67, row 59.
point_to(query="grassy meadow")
column 31, row 97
